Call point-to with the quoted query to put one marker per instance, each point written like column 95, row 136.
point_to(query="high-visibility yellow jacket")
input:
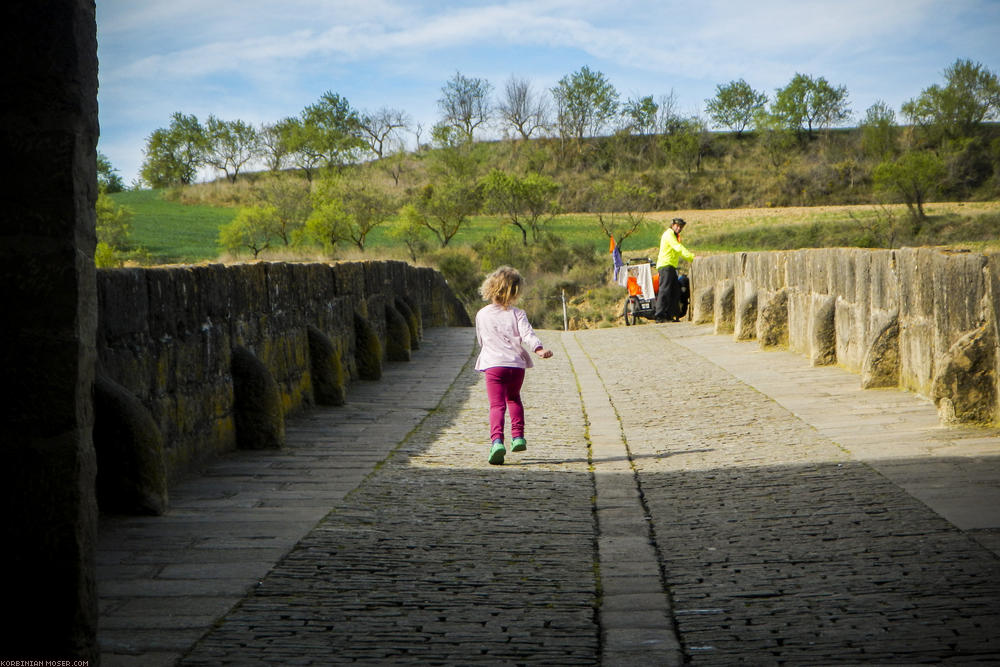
column 671, row 250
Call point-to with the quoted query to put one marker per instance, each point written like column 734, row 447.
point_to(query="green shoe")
column 518, row 445
column 497, row 452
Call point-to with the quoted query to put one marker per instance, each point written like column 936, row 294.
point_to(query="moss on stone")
column 772, row 324
column 326, row 370
column 258, row 413
column 131, row 472
column 397, row 343
column 880, row 367
column 965, row 387
column 412, row 320
column 367, row 349
column 745, row 327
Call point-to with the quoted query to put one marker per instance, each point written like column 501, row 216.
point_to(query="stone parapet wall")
column 167, row 336
column 921, row 319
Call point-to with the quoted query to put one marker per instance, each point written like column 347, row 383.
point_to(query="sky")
column 263, row 60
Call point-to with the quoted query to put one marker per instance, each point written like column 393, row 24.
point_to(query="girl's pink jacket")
column 500, row 333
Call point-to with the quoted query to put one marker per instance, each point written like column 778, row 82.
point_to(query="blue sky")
column 263, row 60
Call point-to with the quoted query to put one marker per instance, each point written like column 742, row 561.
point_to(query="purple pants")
column 503, row 389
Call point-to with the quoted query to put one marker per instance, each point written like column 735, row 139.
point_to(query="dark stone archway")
column 48, row 138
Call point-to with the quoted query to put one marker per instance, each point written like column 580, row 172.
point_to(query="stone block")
column 881, row 364
column 724, row 307
column 772, row 323
column 822, row 334
column 367, row 349
column 327, row 371
column 259, row 418
column 397, row 339
column 745, row 323
column 966, row 383
column 704, row 306
column 131, row 476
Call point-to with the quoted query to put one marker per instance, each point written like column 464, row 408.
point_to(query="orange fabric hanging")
column 611, row 246
column 633, row 286
column 656, row 283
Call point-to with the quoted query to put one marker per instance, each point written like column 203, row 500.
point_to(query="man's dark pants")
column 669, row 294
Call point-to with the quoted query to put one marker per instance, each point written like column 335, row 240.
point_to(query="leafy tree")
column 807, row 104
column 528, row 202
column 465, row 103
column 304, row 146
column 254, row 228
column 775, row 140
column 380, row 126
column 585, row 103
column 878, row 131
column 971, row 95
column 410, row 231
column 621, row 208
column 640, row 115
column 274, row 144
column 444, row 207
column 114, row 232
column 289, row 197
column 363, row 206
column 108, row 179
column 332, row 130
column 522, row 109
column 688, row 144
column 174, row 154
column 734, row 106
column 328, row 222
column 913, row 177
column 230, row 145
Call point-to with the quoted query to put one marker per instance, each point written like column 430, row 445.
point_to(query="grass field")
column 179, row 233
column 172, row 232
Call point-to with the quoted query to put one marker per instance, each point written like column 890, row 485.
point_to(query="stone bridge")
column 685, row 499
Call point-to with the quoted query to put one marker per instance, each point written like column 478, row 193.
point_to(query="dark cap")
column 678, row 221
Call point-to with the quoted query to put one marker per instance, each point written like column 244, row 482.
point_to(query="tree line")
column 331, row 205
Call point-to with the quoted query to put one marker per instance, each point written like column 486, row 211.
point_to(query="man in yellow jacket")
column 671, row 252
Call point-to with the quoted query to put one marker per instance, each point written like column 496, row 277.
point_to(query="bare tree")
column 381, row 125
column 668, row 120
column 465, row 103
column 522, row 108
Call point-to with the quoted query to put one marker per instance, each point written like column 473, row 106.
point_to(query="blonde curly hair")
column 502, row 287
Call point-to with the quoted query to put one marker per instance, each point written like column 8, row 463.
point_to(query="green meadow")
column 173, row 232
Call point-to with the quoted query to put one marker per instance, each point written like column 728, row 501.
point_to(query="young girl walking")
column 500, row 330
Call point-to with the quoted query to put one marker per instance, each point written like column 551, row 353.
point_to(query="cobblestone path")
column 439, row 557
column 770, row 544
column 777, row 548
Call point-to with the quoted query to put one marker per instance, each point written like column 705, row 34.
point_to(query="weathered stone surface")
column 881, row 365
column 260, row 420
column 745, row 325
column 165, row 335
column 965, row 386
column 772, row 324
column 704, row 306
column 724, row 307
column 412, row 321
column 397, row 340
column 327, row 371
column 823, row 347
column 131, row 476
column 48, row 138
column 839, row 301
column 368, row 353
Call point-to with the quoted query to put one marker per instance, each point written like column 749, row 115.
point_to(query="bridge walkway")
column 685, row 499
